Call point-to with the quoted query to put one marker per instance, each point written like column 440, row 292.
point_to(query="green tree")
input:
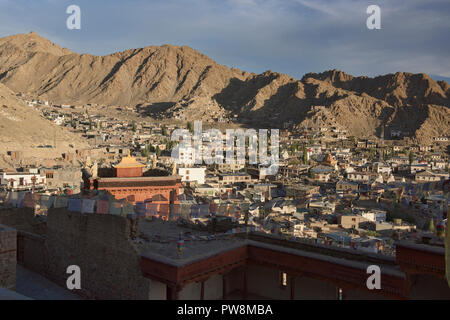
column 305, row 156
column 411, row 157
column 169, row 145
column 158, row 151
column 371, row 153
column 371, row 233
column 164, row 130
column 292, row 148
column 261, row 213
column 431, row 227
column 189, row 127
column 133, row 128
column 389, row 215
column 440, row 232
column 294, row 161
column 145, row 152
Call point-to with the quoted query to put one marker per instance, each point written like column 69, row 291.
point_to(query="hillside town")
column 159, row 173
column 329, row 189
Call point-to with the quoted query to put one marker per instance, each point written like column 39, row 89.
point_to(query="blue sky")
column 290, row 36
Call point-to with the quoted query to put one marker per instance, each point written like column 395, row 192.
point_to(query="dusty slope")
column 23, row 128
column 172, row 79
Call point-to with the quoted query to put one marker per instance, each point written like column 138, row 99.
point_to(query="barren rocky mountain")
column 398, row 89
column 172, row 80
column 31, row 64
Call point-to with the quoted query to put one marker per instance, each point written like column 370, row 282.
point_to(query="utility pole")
column 33, row 180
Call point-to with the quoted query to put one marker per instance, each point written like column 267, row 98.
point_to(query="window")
column 283, row 279
column 49, row 175
column 340, row 294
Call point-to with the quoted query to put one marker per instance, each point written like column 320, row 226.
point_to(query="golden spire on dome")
column 129, row 162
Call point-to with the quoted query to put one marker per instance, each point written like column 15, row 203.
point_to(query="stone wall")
column 31, row 252
column 63, row 177
column 100, row 245
column 8, row 258
column 23, row 219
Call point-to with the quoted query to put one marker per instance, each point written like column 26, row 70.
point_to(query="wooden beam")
column 202, row 291
column 244, row 290
column 207, row 274
column 173, row 292
column 292, row 283
column 224, row 287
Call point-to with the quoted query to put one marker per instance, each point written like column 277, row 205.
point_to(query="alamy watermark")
column 74, row 20
column 74, row 280
column 374, row 281
column 209, row 147
column 374, row 20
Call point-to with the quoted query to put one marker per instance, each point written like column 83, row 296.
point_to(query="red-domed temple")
column 126, row 180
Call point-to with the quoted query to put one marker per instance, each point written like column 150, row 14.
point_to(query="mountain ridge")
column 186, row 80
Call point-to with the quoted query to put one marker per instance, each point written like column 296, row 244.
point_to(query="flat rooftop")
column 159, row 242
column 163, row 178
column 31, row 285
column 159, row 239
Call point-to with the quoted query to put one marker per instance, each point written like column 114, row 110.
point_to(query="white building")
column 441, row 139
column 192, row 175
column 16, row 181
column 363, row 176
column 186, row 155
column 439, row 165
column 59, row 120
column 382, row 168
column 377, row 216
column 427, row 176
